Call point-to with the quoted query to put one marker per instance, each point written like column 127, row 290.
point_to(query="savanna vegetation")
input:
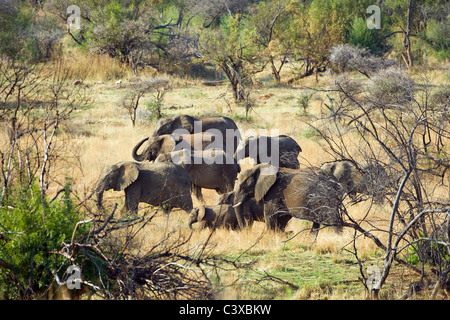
column 71, row 81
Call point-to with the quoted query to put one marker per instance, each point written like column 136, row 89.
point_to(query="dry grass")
column 102, row 135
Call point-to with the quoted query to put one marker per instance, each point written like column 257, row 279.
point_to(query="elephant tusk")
column 237, row 205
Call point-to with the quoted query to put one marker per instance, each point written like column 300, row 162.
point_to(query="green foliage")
column 29, row 236
column 437, row 37
column 304, row 100
column 361, row 36
column 154, row 108
column 432, row 252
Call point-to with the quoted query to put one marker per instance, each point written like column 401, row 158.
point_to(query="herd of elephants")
column 185, row 154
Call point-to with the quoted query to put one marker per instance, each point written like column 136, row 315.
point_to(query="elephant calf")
column 215, row 216
column 250, row 209
column 158, row 184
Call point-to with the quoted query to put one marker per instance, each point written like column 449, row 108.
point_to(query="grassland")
column 295, row 265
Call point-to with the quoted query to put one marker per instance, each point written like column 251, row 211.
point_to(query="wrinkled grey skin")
column 308, row 194
column 215, row 216
column 152, row 147
column 365, row 177
column 208, row 169
column 249, row 209
column 186, row 122
column 158, row 184
column 288, row 150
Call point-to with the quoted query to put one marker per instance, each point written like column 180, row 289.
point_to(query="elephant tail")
column 136, row 156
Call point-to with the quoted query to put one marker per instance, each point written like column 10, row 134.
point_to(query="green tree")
column 228, row 46
column 24, row 35
column 314, row 30
column 361, row 36
column 409, row 21
column 266, row 22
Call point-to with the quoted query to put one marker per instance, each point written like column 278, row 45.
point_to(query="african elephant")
column 215, row 216
column 155, row 146
column 250, row 208
column 159, row 184
column 365, row 177
column 209, row 169
column 308, row 194
column 194, row 125
column 260, row 149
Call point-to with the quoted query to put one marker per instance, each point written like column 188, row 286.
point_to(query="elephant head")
column 365, row 177
column 344, row 171
column 169, row 125
column 153, row 147
column 117, row 177
column 196, row 215
column 254, row 182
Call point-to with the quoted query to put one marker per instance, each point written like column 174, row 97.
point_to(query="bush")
column 29, row 237
column 345, row 58
column 363, row 37
column 391, row 86
column 437, row 37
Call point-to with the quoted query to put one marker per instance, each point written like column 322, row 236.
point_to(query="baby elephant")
column 214, row 216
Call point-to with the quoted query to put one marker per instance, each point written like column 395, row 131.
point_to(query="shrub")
column 345, row 58
column 437, row 37
column 29, row 237
column 363, row 37
column 391, row 86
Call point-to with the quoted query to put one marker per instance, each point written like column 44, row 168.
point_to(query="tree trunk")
column 406, row 55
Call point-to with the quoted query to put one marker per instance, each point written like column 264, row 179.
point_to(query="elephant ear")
column 128, row 173
column 264, row 182
column 201, row 213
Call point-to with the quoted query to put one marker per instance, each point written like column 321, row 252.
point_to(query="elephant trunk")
column 192, row 219
column 136, row 156
column 99, row 199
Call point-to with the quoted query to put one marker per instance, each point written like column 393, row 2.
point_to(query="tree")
column 228, row 48
column 24, row 35
column 266, row 23
column 408, row 137
column 130, row 102
column 410, row 19
column 36, row 99
column 315, row 28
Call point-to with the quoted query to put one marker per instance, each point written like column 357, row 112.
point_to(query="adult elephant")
column 159, row 184
column 152, row 147
column 264, row 149
column 365, row 177
column 226, row 126
column 308, row 194
column 208, row 169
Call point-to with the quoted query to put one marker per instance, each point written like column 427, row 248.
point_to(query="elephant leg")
column 283, row 220
column 270, row 215
column 131, row 202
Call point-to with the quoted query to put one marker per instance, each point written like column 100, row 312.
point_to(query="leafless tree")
column 138, row 89
column 35, row 101
column 408, row 137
